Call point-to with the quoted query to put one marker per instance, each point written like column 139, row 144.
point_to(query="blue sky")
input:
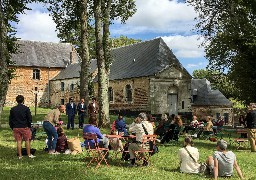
column 172, row 20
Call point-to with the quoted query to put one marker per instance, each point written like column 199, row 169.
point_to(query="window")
column 128, row 90
column 62, row 101
column 62, row 85
column 110, row 94
column 36, row 74
column 182, row 104
column 72, row 87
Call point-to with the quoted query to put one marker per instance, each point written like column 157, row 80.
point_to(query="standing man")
column 50, row 120
column 20, row 120
column 81, row 108
column 93, row 108
column 251, row 125
column 71, row 112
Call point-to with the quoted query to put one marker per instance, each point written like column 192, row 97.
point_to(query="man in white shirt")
column 140, row 127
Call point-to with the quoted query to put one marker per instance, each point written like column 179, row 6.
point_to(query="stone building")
column 143, row 77
column 208, row 101
column 36, row 64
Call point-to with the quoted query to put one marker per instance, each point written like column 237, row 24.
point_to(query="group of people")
column 221, row 163
column 139, row 127
column 82, row 110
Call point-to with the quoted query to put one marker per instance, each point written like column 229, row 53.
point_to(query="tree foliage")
column 229, row 29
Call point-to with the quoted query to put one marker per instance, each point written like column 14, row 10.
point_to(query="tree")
column 9, row 9
column 229, row 28
column 67, row 15
column 123, row 41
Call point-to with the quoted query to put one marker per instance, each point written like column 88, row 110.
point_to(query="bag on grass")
column 24, row 152
column 125, row 154
column 204, row 169
column 154, row 148
column 74, row 145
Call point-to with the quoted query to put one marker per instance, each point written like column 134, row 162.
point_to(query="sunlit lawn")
column 44, row 166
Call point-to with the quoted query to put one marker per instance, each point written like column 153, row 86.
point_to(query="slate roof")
column 73, row 71
column 207, row 96
column 138, row 60
column 43, row 54
column 142, row 59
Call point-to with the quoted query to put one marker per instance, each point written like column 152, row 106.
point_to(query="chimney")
column 72, row 55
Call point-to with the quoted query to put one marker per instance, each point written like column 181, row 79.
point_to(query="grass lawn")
column 44, row 166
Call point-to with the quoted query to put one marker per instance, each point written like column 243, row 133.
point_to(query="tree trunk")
column 4, row 75
column 84, row 74
column 106, row 47
column 102, row 78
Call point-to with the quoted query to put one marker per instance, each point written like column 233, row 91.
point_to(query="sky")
column 173, row 20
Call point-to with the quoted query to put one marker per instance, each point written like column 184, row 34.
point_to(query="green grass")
column 164, row 164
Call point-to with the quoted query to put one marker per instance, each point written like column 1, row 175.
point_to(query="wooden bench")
column 241, row 142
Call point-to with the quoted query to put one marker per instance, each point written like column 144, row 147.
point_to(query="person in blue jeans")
column 71, row 113
column 93, row 129
column 50, row 120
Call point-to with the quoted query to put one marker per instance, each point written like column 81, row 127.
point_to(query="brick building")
column 36, row 64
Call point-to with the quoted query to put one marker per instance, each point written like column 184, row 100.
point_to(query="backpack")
column 125, row 154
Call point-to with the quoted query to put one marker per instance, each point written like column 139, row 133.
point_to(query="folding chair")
column 97, row 153
column 116, row 145
column 146, row 148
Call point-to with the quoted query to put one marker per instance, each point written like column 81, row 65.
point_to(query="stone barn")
column 143, row 77
column 36, row 63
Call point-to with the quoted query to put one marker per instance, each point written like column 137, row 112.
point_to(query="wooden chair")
column 146, row 148
column 116, row 146
column 96, row 153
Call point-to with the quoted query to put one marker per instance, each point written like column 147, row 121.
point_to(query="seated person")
column 187, row 164
column 119, row 125
column 207, row 128
column 163, row 126
column 115, row 143
column 92, row 128
column 173, row 133
column 141, row 127
column 192, row 126
column 223, row 161
column 62, row 143
column 218, row 124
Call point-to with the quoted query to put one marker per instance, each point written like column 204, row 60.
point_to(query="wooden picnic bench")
column 241, row 142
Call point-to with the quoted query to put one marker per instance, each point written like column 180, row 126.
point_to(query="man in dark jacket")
column 251, row 125
column 71, row 112
column 81, row 108
column 20, row 120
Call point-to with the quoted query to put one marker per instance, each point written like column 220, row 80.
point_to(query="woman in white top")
column 189, row 157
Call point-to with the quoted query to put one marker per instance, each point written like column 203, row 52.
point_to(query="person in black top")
column 251, row 125
column 81, row 108
column 20, row 120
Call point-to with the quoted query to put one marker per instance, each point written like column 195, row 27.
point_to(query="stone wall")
column 24, row 84
column 57, row 95
column 140, row 95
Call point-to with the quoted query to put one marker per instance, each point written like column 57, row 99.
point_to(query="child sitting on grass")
column 62, row 144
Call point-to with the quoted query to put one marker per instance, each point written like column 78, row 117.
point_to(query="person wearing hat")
column 140, row 127
column 223, row 161
column 251, row 125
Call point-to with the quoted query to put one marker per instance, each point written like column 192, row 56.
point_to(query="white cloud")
column 185, row 46
column 159, row 16
column 38, row 26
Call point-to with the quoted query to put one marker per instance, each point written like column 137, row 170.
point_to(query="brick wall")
column 24, row 84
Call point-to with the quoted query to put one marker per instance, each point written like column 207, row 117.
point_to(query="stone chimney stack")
column 72, row 55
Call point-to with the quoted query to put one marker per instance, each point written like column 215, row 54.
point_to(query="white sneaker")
column 20, row 157
column 158, row 140
column 54, row 153
column 31, row 156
